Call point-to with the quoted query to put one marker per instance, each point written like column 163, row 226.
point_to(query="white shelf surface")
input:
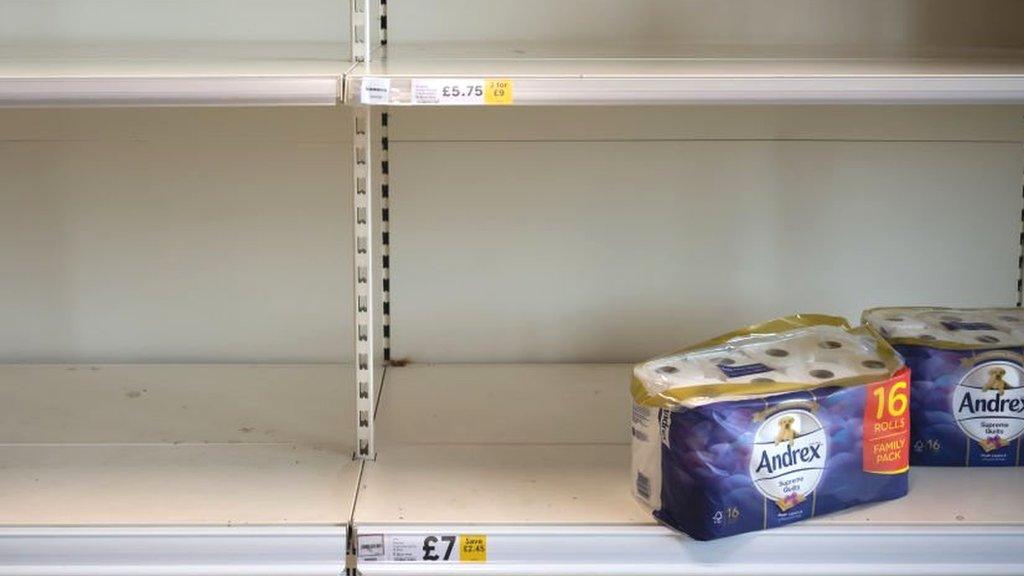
column 536, row 457
column 580, row 75
column 228, row 74
column 175, row 468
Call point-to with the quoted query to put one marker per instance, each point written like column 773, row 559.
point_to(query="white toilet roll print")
column 816, row 354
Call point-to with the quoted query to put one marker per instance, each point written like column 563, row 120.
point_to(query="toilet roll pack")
column 770, row 425
column 967, row 389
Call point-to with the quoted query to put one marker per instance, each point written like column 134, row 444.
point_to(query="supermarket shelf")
column 173, row 551
column 535, row 457
column 720, row 75
column 171, row 75
column 175, row 468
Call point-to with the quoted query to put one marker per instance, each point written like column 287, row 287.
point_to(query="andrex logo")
column 995, row 405
column 988, row 403
column 788, row 457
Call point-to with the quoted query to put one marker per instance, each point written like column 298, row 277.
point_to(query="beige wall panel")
column 153, row 21
column 920, row 123
column 170, row 239
column 614, row 251
column 878, row 24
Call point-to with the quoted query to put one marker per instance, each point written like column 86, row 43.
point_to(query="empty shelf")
column 535, row 459
column 172, row 75
column 172, row 467
column 684, row 75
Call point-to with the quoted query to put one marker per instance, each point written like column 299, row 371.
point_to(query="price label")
column 472, row 548
column 375, row 91
column 370, row 548
column 438, row 548
column 498, row 92
column 461, row 92
column 428, row 548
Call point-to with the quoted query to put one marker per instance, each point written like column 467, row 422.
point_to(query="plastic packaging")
column 967, row 389
column 770, row 425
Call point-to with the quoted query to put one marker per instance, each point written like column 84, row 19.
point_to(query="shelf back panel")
column 615, row 250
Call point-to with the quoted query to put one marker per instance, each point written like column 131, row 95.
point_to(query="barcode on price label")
column 427, row 548
column 375, row 91
column 370, row 547
column 461, row 91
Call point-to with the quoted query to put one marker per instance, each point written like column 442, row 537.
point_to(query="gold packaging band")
column 675, row 397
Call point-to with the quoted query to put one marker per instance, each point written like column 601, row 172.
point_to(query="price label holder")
column 423, row 548
column 462, row 91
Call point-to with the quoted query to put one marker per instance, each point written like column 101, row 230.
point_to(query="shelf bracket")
column 365, row 300
column 361, row 21
column 369, row 28
column 370, row 186
column 358, row 19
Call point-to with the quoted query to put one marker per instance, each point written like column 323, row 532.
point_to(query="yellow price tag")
column 498, row 91
column 472, row 548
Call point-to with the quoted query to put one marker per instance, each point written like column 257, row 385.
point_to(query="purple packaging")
column 770, row 425
column 967, row 398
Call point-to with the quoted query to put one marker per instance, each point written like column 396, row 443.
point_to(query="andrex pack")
column 967, row 399
column 770, row 425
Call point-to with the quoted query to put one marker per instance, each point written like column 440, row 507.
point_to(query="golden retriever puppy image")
column 786, row 432
column 995, row 381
